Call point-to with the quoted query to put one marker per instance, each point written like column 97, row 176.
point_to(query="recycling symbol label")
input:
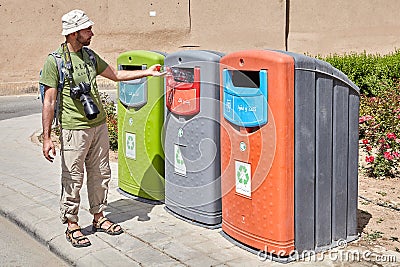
column 242, row 175
column 129, row 143
column 243, row 178
column 178, row 157
column 130, row 147
column 179, row 163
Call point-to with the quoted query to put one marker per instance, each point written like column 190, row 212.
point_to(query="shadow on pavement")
column 127, row 209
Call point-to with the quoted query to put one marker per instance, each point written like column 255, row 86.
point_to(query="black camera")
column 82, row 92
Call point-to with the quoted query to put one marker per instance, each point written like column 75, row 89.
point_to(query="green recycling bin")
column 140, row 121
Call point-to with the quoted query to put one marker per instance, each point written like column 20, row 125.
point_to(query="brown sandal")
column 76, row 241
column 110, row 230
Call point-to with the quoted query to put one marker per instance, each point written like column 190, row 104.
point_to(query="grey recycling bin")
column 192, row 132
column 326, row 145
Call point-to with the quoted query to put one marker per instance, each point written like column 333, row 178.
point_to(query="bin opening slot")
column 183, row 75
column 133, row 67
column 246, row 79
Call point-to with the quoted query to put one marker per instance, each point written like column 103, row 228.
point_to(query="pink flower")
column 369, row 148
column 387, row 146
column 391, row 136
column 365, row 141
column 369, row 159
column 365, row 118
column 396, row 154
column 372, row 99
column 388, row 155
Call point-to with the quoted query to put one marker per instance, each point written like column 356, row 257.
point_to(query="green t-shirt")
column 72, row 114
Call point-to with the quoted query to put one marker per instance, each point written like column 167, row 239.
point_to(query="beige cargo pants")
column 84, row 149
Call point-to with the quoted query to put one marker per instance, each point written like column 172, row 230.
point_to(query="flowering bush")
column 112, row 120
column 378, row 79
column 380, row 131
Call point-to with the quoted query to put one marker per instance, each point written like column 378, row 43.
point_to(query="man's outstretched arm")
column 125, row 75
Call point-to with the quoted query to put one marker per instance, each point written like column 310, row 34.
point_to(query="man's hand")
column 48, row 146
column 155, row 71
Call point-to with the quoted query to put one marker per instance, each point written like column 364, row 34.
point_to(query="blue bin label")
column 133, row 94
column 245, row 111
column 245, row 106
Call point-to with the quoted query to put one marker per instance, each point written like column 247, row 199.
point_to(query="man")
column 84, row 134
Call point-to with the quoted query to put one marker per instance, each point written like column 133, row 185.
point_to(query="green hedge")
column 371, row 73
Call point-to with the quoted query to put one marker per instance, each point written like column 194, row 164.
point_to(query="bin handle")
column 184, row 86
column 136, row 81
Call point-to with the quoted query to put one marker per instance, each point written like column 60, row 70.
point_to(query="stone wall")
column 31, row 29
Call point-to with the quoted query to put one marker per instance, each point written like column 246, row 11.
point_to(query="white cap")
column 74, row 21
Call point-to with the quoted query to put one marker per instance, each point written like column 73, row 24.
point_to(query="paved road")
column 17, row 248
column 17, row 106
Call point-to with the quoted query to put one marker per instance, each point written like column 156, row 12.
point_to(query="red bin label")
column 183, row 90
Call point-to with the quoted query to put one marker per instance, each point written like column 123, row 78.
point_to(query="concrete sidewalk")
column 29, row 190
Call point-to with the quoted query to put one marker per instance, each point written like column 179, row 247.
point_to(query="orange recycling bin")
column 256, row 142
column 289, row 149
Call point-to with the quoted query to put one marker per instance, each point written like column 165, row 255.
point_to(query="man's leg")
column 74, row 147
column 99, row 174
column 98, row 169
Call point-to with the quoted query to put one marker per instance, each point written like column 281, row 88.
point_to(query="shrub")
column 112, row 120
column 371, row 73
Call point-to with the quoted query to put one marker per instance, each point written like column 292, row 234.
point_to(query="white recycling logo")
column 130, row 143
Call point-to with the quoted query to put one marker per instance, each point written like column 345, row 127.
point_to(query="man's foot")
column 105, row 225
column 75, row 236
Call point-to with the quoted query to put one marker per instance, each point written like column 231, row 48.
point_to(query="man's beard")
column 84, row 42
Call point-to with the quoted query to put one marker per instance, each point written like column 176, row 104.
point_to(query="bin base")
column 208, row 226
column 140, row 199
column 260, row 254
column 263, row 256
column 130, row 187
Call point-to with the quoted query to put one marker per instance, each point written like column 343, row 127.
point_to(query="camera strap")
column 69, row 67
column 68, row 64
